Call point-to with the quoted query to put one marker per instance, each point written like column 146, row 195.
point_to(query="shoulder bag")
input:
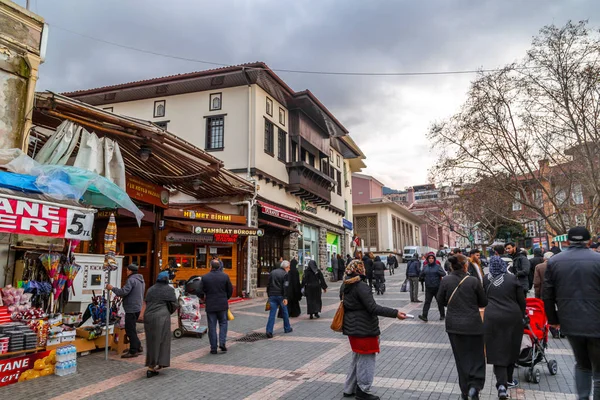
column 337, row 324
column 460, row 283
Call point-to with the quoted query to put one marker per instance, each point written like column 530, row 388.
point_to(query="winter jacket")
column 433, row 274
column 572, row 283
column 413, row 269
column 360, row 309
column 475, row 271
column 392, row 262
column 278, row 283
column 538, row 279
column 520, row 269
column 378, row 268
column 368, row 266
column 538, row 259
column 132, row 293
column 462, row 315
column 216, row 289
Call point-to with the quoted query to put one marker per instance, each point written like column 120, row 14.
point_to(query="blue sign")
column 347, row 224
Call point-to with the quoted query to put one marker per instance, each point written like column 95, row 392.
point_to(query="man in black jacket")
column 392, row 263
column 572, row 284
column 520, row 266
column 216, row 290
column 413, row 270
column 277, row 290
column 538, row 258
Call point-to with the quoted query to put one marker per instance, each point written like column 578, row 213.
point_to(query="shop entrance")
column 270, row 248
column 136, row 253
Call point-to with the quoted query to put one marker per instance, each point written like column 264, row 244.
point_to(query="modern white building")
column 300, row 156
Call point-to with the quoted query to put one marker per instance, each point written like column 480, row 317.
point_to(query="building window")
column 577, row 194
column 162, row 124
column 331, row 156
column 269, row 138
column 339, row 183
column 365, row 227
column 159, row 108
column 580, row 220
column 325, row 166
column 516, row 205
column 539, row 199
column 294, row 151
column 109, row 109
column 282, row 116
column 282, row 146
column 215, row 133
column 338, row 160
column 215, row 101
column 561, row 197
column 308, row 244
column 531, row 229
column 346, row 209
column 269, row 107
column 311, row 160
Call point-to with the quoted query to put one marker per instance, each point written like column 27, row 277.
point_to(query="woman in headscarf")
column 463, row 295
column 503, row 321
column 294, row 290
column 312, row 283
column 161, row 302
column 361, row 325
column 334, row 268
column 341, row 267
column 379, row 274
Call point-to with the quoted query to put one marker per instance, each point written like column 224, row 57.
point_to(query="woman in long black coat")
column 312, row 283
column 341, row 267
column 294, row 290
column 503, row 322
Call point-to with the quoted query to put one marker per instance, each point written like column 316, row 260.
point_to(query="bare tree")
column 531, row 129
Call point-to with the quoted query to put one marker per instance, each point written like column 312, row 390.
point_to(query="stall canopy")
column 148, row 151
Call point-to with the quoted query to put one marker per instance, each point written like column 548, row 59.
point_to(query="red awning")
column 273, row 224
column 278, row 212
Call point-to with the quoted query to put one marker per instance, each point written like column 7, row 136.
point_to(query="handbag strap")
column 460, row 283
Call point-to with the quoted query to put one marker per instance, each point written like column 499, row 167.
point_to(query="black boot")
column 473, row 394
column 360, row 395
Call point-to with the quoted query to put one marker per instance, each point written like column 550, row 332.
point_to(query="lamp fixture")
column 144, row 152
column 196, row 183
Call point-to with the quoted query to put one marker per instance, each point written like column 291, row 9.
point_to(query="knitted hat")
column 356, row 267
column 133, row 267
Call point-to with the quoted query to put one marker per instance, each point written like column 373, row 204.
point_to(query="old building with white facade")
column 295, row 150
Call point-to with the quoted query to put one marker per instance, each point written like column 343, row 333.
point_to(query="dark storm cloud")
column 387, row 116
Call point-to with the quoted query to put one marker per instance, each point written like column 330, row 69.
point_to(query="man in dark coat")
column 555, row 249
column 278, row 292
column 432, row 273
column 538, row 258
column 520, row 266
column 572, row 284
column 413, row 270
column 392, row 263
column 368, row 262
column 216, row 290
column 312, row 283
column 379, row 274
column 341, row 267
column 133, row 296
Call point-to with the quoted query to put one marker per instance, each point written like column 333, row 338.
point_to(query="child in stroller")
column 535, row 342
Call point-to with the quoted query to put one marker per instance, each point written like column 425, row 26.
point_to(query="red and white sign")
column 39, row 218
column 278, row 212
column 12, row 368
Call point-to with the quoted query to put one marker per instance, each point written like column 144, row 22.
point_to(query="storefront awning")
column 561, row 238
column 273, row 224
column 278, row 212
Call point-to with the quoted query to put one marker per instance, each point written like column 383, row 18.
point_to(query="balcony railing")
column 309, row 183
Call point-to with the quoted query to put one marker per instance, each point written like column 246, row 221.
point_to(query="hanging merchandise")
column 110, row 245
column 51, row 261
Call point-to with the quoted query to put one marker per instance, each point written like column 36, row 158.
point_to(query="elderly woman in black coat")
column 361, row 325
column 463, row 295
column 503, row 321
column 312, row 283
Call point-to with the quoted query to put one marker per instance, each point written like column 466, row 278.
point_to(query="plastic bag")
column 405, row 286
column 121, row 315
column 189, row 313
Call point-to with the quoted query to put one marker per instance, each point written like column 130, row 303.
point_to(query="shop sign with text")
column 307, row 207
column 180, row 237
column 28, row 217
column 147, row 192
column 206, row 216
column 12, row 368
column 227, row 231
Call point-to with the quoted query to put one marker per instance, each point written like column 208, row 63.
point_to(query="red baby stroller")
column 535, row 336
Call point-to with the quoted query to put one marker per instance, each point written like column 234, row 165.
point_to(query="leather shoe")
column 129, row 355
column 473, row 394
column 360, row 395
column 223, row 348
column 269, row 335
column 349, row 394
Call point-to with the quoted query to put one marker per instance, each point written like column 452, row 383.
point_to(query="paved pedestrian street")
column 415, row 362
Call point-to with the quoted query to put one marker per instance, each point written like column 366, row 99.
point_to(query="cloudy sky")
column 387, row 116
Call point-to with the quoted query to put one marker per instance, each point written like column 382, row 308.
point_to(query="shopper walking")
column 294, row 291
column 432, row 274
column 348, row 261
column 278, row 292
column 572, row 284
column 538, row 276
column 520, row 267
column 216, row 290
column 361, row 325
column 312, row 283
column 475, row 265
column 133, row 296
column 538, row 258
column 341, row 267
column 413, row 270
column 334, row 268
column 392, row 263
column 554, row 248
column 379, row 274
column 503, row 321
column 368, row 260
column 463, row 295
column 161, row 302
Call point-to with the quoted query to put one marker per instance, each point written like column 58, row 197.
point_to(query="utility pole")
column 27, row 4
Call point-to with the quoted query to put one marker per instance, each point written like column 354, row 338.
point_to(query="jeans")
column 213, row 318
column 503, row 375
column 430, row 294
column 414, row 288
column 135, row 345
column 587, row 365
column 276, row 302
column 361, row 373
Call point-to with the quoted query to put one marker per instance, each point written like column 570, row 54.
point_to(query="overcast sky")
column 387, row 116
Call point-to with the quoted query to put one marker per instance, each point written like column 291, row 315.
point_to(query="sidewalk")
column 416, row 362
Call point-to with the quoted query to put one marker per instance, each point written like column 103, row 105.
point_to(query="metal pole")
column 27, row 4
column 107, row 319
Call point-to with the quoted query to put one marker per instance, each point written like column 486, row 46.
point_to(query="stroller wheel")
column 553, row 367
column 178, row 333
column 528, row 375
column 537, row 375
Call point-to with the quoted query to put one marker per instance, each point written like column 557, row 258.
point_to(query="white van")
column 410, row 253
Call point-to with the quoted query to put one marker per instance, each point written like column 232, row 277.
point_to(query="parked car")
column 410, row 253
